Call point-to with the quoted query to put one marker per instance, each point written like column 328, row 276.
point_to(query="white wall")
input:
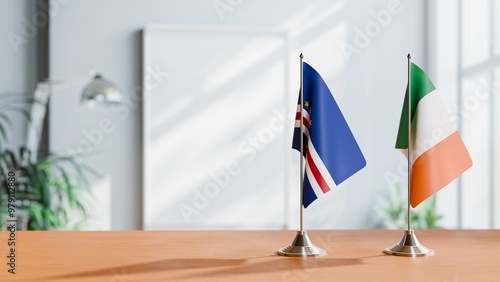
column 368, row 87
column 18, row 57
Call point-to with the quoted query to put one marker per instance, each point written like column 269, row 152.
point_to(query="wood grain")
column 353, row 255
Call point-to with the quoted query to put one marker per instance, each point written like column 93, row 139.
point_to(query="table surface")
column 353, row 255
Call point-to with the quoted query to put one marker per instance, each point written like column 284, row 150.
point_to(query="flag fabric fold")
column 331, row 152
column 437, row 153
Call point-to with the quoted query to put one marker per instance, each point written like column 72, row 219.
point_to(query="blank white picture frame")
column 216, row 127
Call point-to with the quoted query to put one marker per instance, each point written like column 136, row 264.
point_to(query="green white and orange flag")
column 437, row 153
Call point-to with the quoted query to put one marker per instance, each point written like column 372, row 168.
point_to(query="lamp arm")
column 57, row 83
column 99, row 88
column 38, row 111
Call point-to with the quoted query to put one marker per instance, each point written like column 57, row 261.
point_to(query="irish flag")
column 437, row 153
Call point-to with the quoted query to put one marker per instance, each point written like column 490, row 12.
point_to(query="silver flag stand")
column 409, row 245
column 301, row 245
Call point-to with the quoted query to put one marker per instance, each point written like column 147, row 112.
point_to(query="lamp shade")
column 101, row 91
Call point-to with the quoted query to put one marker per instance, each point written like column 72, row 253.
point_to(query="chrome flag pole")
column 409, row 245
column 301, row 172
column 301, row 245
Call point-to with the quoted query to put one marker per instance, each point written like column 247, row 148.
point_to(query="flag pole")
column 301, row 245
column 409, row 138
column 301, row 207
column 409, row 246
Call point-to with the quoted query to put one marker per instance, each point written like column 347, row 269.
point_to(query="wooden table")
column 247, row 256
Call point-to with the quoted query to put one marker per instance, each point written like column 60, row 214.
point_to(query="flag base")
column 409, row 247
column 301, row 247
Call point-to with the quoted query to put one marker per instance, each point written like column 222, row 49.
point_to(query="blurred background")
column 201, row 138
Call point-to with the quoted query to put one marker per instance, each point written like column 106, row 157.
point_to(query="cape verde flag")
column 332, row 154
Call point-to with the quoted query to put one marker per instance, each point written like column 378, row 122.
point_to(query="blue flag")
column 331, row 151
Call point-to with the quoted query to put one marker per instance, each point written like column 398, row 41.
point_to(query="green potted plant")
column 51, row 193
